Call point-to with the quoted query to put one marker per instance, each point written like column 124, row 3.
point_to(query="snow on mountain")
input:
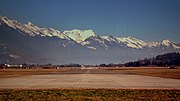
column 128, row 41
column 72, row 46
column 176, row 46
column 166, row 42
column 121, row 41
column 132, row 42
column 169, row 43
column 94, row 42
column 33, row 30
column 7, row 21
column 79, row 35
column 86, row 38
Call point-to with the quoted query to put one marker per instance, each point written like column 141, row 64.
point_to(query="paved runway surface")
column 89, row 78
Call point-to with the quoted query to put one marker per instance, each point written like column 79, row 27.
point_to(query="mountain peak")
column 3, row 17
column 166, row 42
column 110, row 36
column 29, row 23
column 31, row 26
column 79, row 35
column 9, row 22
column 6, row 19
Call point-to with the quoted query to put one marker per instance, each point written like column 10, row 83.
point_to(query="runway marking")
column 115, row 81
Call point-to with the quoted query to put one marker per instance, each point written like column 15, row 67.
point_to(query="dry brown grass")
column 149, row 71
column 90, row 95
column 21, row 72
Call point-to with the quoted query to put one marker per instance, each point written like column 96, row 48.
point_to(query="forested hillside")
column 169, row 59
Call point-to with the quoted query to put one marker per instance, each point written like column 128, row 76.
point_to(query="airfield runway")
column 89, row 78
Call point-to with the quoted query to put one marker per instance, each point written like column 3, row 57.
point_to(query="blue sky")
column 145, row 19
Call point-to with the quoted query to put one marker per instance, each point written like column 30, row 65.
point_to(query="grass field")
column 22, row 72
column 149, row 71
column 89, row 95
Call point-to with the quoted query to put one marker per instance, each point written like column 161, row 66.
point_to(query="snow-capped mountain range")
column 77, row 43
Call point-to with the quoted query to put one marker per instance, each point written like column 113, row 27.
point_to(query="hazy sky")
column 144, row 19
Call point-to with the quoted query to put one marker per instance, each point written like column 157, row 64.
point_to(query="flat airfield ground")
column 118, row 78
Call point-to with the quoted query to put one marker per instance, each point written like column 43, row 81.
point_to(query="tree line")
column 169, row 59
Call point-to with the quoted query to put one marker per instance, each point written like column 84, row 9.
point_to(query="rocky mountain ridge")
column 72, row 46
